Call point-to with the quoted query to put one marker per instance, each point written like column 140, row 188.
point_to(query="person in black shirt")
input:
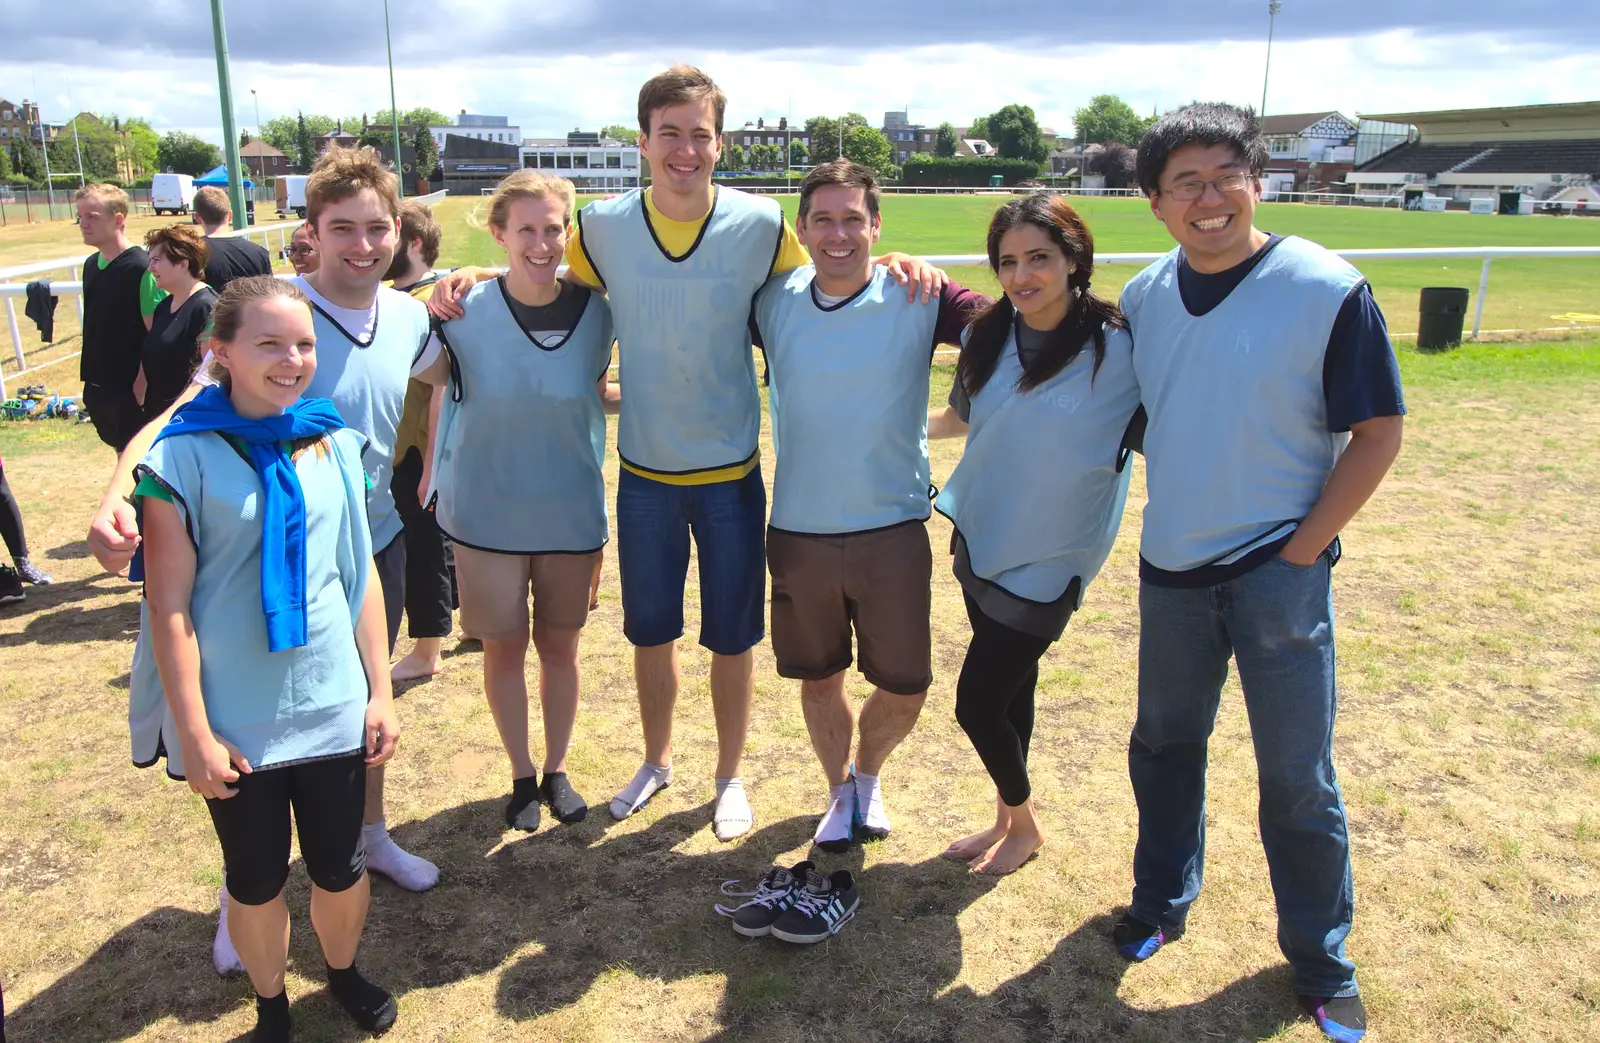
column 119, row 296
column 172, row 348
column 232, row 257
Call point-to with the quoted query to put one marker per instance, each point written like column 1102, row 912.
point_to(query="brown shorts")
column 494, row 589
column 880, row 581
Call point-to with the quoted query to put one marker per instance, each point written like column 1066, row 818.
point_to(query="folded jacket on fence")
column 41, row 308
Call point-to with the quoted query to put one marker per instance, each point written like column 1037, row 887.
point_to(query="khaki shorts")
column 880, row 582
column 494, row 590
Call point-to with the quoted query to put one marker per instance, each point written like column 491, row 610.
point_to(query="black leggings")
column 430, row 577
column 11, row 520
column 994, row 700
column 328, row 797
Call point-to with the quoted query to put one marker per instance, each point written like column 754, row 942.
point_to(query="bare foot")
column 412, row 667
column 968, row 848
column 1010, row 854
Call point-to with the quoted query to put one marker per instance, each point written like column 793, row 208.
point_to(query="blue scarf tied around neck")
column 283, row 506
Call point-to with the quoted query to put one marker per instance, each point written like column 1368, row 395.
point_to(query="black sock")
column 557, row 792
column 272, row 1019
column 372, row 1008
column 523, row 793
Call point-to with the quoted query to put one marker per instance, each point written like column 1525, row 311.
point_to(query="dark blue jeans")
column 728, row 522
column 1277, row 623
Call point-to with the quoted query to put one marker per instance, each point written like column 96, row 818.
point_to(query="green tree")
column 421, row 116
column 868, row 146
column 305, row 146
column 26, row 160
column 5, row 164
column 427, row 162
column 734, row 158
column 183, row 153
column 1014, row 133
column 979, row 131
column 626, row 135
column 1109, row 118
column 797, row 154
column 375, row 139
column 146, row 146
column 823, row 133
column 944, row 142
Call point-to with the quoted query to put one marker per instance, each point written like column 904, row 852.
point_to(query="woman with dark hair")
column 1046, row 396
column 173, row 346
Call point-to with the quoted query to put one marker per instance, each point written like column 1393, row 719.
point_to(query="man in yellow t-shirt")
column 680, row 262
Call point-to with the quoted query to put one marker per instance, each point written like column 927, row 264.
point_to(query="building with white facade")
column 483, row 128
column 1306, row 151
column 589, row 161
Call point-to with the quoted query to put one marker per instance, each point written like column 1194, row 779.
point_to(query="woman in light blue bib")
column 1046, row 396
column 262, row 670
column 516, row 476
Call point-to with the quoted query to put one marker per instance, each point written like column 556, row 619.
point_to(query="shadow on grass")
column 69, row 551
column 566, row 910
column 57, row 620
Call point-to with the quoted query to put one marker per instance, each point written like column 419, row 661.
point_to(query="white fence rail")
column 12, row 291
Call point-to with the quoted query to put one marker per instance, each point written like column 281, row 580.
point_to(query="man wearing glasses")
column 1275, row 410
column 300, row 252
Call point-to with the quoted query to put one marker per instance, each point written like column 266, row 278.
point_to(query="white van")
column 291, row 192
column 171, row 193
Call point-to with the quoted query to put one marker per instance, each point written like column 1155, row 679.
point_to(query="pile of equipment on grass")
column 39, row 403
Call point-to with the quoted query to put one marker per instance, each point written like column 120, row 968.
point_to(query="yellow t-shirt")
column 678, row 238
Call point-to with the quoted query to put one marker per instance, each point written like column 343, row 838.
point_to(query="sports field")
column 1524, row 295
column 1468, row 749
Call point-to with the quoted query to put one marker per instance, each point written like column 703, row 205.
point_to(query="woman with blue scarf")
column 262, row 669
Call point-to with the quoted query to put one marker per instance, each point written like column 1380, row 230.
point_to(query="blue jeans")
column 729, row 523
column 1277, row 622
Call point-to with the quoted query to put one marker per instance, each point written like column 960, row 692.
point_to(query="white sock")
column 869, row 798
column 223, row 955
column 835, row 823
column 644, row 784
column 385, row 856
column 732, row 816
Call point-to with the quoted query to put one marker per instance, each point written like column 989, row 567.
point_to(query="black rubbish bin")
column 250, row 211
column 1444, row 312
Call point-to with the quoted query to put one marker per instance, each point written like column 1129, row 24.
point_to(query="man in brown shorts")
column 848, row 358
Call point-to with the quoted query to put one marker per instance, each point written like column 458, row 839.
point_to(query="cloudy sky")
column 551, row 65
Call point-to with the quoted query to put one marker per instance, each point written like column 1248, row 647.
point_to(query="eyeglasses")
column 1188, row 191
column 299, row 251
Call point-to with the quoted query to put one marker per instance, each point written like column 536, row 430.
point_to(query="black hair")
column 1204, row 123
column 1087, row 317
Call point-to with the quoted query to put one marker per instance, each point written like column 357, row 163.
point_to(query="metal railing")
column 11, row 291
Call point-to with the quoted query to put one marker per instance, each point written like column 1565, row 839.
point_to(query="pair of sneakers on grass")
column 801, row 904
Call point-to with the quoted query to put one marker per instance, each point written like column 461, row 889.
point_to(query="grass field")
column 1468, row 748
column 1523, row 294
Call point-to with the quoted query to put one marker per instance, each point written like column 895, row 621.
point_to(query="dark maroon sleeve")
column 958, row 306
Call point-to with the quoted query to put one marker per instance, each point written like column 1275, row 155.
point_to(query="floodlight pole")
column 1273, row 7
column 77, row 148
column 230, row 136
column 261, row 161
column 394, row 110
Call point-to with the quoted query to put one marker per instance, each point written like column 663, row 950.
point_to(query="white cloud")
column 549, row 93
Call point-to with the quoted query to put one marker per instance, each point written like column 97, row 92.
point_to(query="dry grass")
column 1469, row 748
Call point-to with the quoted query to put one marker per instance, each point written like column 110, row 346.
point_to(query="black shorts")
column 328, row 797
column 116, row 415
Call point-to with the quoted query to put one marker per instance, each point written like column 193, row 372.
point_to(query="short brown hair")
column 211, row 205
column 114, row 198
column 181, row 243
column 530, row 184
column 845, row 172
column 417, row 223
column 342, row 172
column 677, row 86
